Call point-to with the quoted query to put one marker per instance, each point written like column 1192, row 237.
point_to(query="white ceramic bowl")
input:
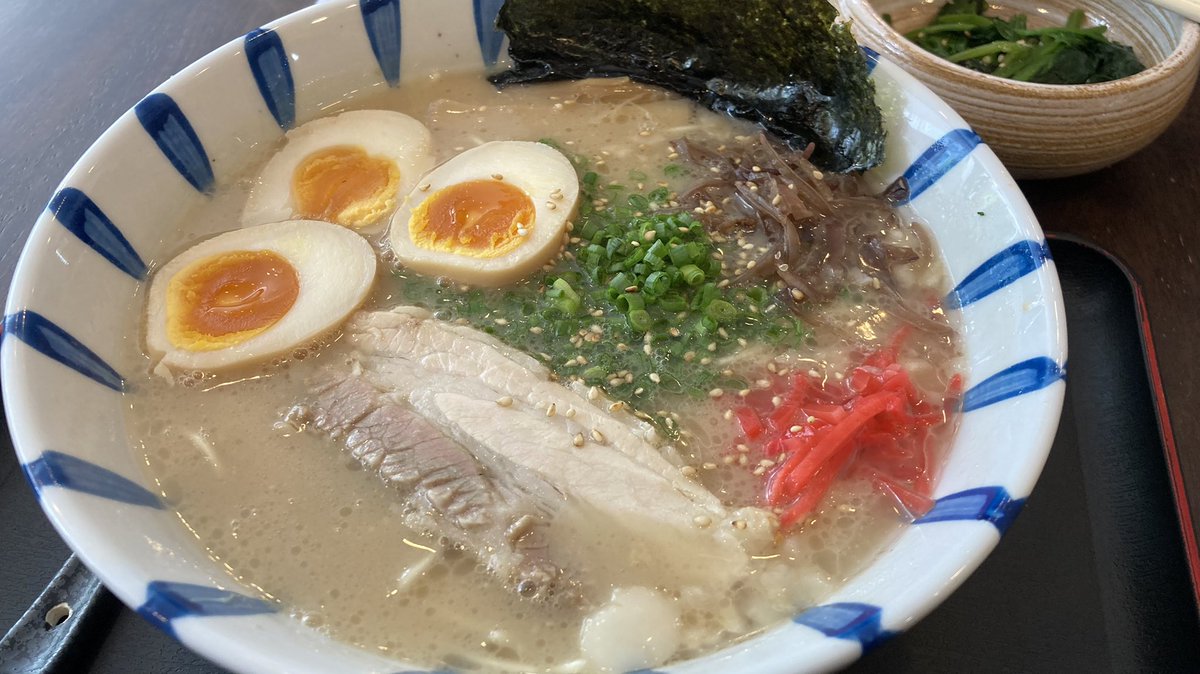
column 67, row 336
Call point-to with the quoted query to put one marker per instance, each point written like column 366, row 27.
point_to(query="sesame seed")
column 597, row 313
column 425, row 187
column 688, row 471
column 811, row 419
column 597, row 436
column 743, row 393
column 617, row 406
column 777, row 401
column 743, row 448
column 778, row 198
column 647, row 349
column 593, row 393
column 759, row 470
column 650, row 235
column 742, row 460
column 689, row 356
column 797, row 295
column 739, row 524
column 756, row 169
column 705, row 361
column 551, row 205
column 709, row 466
column 655, row 378
column 674, row 332
column 712, row 346
column 497, row 176
column 702, row 521
column 501, row 321
column 638, row 391
column 551, row 410
column 505, row 401
column 818, row 175
column 728, row 460
column 728, row 415
column 570, row 413
column 795, row 429
column 767, row 463
column 631, row 289
column 716, row 393
column 578, row 440
column 537, row 330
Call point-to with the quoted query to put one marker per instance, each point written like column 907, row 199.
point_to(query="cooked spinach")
column 1068, row 54
column 786, row 64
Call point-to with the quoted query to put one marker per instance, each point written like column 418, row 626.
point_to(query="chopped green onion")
column 721, row 311
column 673, row 302
column 657, row 284
column 629, row 302
column 640, row 320
column 691, row 274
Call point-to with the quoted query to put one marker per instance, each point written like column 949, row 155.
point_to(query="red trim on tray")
column 1168, row 438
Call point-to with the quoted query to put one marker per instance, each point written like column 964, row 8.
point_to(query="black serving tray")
column 1094, row 576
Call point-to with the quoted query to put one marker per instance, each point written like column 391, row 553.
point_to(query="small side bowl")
column 1045, row 130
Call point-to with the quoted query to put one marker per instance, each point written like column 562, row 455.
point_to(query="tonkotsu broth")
column 289, row 514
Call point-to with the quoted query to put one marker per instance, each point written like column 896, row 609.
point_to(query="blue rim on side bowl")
column 68, row 336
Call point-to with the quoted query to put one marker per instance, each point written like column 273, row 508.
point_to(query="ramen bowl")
column 70, row 341
column 1047, row 130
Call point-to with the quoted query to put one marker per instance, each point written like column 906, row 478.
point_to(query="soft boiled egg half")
column 351, row 169
column 255, row 293
column 489, row 216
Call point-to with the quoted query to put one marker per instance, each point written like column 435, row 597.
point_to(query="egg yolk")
column 346, row 186
column 480, row 218
column 228, row 298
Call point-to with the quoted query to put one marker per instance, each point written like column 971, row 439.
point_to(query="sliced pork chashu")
column 474, row 500
column 502, row 407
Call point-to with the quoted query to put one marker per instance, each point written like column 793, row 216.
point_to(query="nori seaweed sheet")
column 785, row 64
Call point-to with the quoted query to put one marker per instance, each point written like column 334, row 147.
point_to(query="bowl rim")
column 1186, row 49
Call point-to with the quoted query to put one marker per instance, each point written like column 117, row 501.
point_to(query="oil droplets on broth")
column 290, row 514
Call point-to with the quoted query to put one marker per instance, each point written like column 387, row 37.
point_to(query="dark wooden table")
column 68, row 70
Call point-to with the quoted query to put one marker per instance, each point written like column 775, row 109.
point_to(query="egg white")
column 335, row 268
column 537, row 169
column 380, row 133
